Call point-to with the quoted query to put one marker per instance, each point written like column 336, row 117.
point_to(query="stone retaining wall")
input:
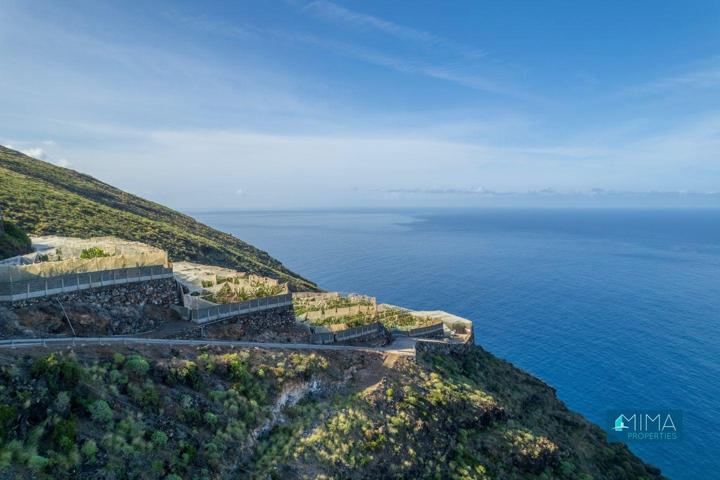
column 152, row 292
column 441, row 348
column 273, row 319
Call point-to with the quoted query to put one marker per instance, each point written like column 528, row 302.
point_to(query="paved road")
column 405, row 346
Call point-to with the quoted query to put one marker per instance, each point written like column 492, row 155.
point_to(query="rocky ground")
column 52, row 318
column 87, row 319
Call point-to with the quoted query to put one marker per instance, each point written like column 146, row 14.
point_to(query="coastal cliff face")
column 152, row 412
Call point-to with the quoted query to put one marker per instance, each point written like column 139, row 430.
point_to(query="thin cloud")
column 700, row 78
column 334, row 13
column 550, row 192
column 206, row 24
column 409, row 66
column 351, row 50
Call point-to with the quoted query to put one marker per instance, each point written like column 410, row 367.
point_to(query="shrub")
column 159, row 438
column 136, row 365
column 100, row 411
column 93, row 252
column 184, row 371
column 13, row 242
column 7, row 418
column 62, row 402
column 61, row 373
column 63, row 434
column 211, row 418
column 37, row 462
column 116, row 377
column 89, row 449
column 118, row 358
column 146, row 395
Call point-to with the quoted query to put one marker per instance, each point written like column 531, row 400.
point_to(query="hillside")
column 45, row 199
column 211, row 413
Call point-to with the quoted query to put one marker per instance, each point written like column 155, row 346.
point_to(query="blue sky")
column 261, row 104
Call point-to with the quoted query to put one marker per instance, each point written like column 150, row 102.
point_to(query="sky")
column 298, row 104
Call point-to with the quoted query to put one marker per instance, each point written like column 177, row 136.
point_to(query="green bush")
column 159, row 438
column 93, row 252
column 145, row 395
column 89, row 449
column 37, row 463
column 211, row 418
column 7, row 419
column 136, row 366
column 62, row 402
column 60, row 372
column 13, row 242
column 100, row 411
column 64, row 433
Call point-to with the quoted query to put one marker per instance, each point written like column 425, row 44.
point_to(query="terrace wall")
column 350, row 335
column 436, row 330
column 271, row 319
column 339, row 312
column 216, row 312
column 41, row 287
column 154, row 292
column 440, row 347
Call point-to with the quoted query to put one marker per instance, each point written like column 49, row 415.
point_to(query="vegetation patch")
column 132, row 416
column 94, row 252
column 231, row 293
column 13, row 241
column 214, row 413
column 446, row 419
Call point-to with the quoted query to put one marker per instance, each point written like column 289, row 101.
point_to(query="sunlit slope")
column 45, row 199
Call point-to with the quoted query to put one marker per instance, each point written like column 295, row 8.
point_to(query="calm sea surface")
column 614, row 308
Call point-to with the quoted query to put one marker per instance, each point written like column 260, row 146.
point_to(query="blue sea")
column 617, row 309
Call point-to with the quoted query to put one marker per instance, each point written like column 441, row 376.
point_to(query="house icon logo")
column 619, row 424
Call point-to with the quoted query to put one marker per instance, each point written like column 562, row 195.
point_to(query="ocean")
column 616, row 309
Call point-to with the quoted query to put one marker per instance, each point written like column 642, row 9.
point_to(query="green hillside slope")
column 44, row 199
column 185, row 413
